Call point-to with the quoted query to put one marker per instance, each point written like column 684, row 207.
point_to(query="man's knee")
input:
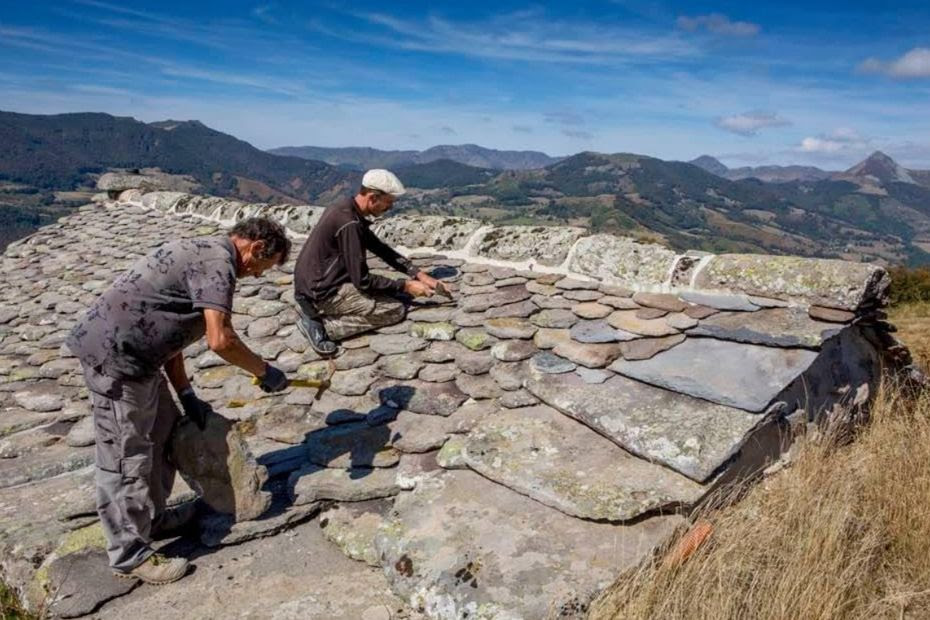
column 389, row 312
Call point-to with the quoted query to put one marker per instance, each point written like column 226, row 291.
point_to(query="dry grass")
column 913, row 322
column 844, row 532
column 10, row 608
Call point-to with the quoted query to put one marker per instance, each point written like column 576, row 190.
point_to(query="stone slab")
column 510, row 327
column 720, row 301
column 826, row 282
column 420, row 396
column 689, row 435
column 503, row 555
column 745, row 376
column 218, row 464
column 644, row 348
column 589, row 355
column 627, row 321
column 545, row 455
column 660, row 301
column 775, row 327
column 353, row 526
column 81, row 582
column 314, row 483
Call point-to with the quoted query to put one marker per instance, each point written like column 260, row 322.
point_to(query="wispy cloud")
column 529, row 36
column 522, row 129
column 564, row 116
column 717, row 23
column 750, row 123
column 578, row 134
column 913, row 64
column 264, row 13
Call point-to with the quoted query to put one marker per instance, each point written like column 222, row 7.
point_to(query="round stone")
column 82, row 433
column 591, row 310
column 438, row 373
column 513, row 350
column 475, row 339
column 551, row 364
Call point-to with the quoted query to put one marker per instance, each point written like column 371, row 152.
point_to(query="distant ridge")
column 59, row 151
column 360, row 158
column 769, row 174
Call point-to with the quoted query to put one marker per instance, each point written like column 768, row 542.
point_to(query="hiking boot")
column 315, row 333
column 157, row 570
column 174, row 521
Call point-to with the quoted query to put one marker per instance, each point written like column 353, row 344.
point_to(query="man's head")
column 379, row 190
column 261, row 244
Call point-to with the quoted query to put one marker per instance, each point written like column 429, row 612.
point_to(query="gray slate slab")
column 689, row 435
column 720, row 301
column 545, row 455
column 82, row 581
column 503, row 555
column 745, row 376
column 775, row 327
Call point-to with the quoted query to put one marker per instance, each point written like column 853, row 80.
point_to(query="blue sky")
column 752, row 83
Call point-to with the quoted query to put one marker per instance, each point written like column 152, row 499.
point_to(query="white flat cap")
column 384, row 181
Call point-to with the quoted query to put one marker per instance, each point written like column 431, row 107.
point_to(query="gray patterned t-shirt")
column 155, row 309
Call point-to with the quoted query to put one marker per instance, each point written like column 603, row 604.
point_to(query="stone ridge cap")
column 574, row 252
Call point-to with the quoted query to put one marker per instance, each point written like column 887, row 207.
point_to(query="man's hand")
column 273, row 380
column 427, row 279
column 194, row 408
column 416, row 288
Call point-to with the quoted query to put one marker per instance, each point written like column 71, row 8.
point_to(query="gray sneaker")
column 157, row 570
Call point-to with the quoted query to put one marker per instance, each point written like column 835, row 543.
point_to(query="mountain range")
column 363, row 158
column 771, row 174
column 878, row 165
column 876, row 210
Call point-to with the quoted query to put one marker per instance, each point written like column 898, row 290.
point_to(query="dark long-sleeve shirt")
column 335, row 254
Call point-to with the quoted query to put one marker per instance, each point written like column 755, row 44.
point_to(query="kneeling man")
column 337, row 296
column 129, row 340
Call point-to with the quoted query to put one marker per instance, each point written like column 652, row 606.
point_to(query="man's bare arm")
column 224, row 341
column 177, row 373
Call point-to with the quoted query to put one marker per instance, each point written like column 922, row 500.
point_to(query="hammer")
column 321, row 385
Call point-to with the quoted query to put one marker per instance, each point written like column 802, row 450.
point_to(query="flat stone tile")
column 745, row 376
column 503, row 553
column 545, row 455
column 691, row 436
column 775, row 327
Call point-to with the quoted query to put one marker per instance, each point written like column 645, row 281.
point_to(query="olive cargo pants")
column 350, row 312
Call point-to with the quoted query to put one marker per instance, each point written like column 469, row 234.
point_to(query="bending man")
column 337, row 296
column 135, row 330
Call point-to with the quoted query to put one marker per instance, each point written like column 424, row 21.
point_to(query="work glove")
column 274, row 380
column 194, row 408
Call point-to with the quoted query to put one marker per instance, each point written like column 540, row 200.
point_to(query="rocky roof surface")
column 501, row 455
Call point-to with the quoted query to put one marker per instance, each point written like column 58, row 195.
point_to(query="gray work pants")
column 350, row 312
column 133, row 419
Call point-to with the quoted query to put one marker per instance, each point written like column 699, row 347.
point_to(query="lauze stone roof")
column 501, row 455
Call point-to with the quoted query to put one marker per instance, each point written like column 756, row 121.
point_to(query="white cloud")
column 717, row 23
column 913, row 64
column 842, row 140
column 750, row 123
